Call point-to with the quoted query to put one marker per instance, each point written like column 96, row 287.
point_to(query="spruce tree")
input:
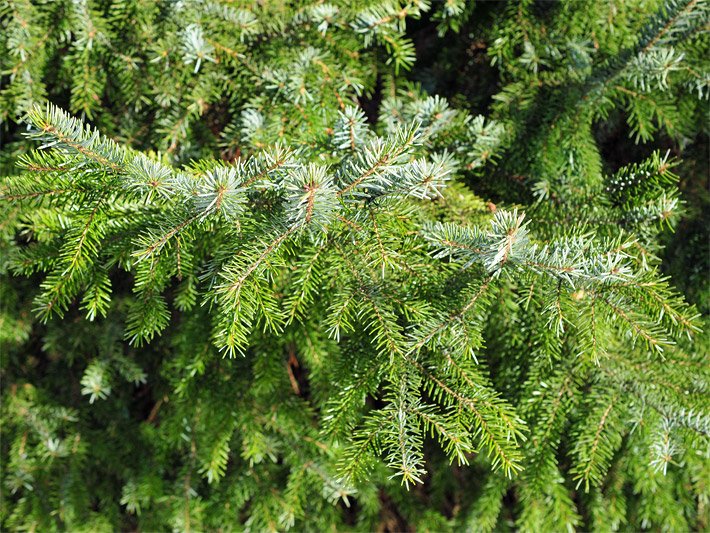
column 257, row 274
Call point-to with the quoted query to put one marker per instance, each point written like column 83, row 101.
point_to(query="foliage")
column 255, row 277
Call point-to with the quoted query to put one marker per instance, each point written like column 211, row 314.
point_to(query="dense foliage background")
column 355, row 265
